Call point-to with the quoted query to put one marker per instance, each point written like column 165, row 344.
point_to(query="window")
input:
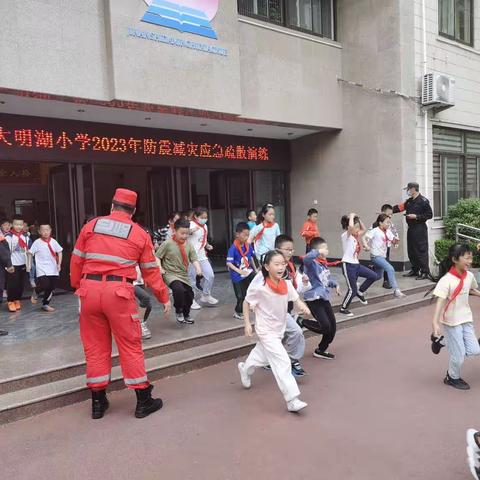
column 311, row 16
column 456, row 159
column 456, row 20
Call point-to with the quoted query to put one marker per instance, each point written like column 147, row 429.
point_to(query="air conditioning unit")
column 438, row 90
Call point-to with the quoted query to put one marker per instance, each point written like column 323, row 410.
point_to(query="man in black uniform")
column 417, row 212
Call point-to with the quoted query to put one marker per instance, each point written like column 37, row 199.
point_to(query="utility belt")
column 106, row 278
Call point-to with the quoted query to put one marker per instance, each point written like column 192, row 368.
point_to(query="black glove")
column 198, row 282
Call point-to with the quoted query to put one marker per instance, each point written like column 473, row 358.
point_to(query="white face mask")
column 409, row 194
column 202, row 221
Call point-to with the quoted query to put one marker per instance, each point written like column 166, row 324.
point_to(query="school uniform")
column 270, row 323
column 352, row 269
column 308, row 232
column 241, row 256
column 16, row 281
column 263, row 236
column 45, row 254
column 318, row 300
column 198, row 240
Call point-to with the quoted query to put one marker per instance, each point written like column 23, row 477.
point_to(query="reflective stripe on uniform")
column 135, row 381
column 148, row 265
column 105, row 378
column 110, row 258
column 135, row 315
column 78, row 253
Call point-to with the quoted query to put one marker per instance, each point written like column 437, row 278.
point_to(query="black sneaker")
column 346, row 312
column 297, row 369
column 387, row 285
column 436, row 345
column 327, row 356
column 458, row 383
column 362, row 298
column 411, row 273
column 188, row 320
column 300, row 324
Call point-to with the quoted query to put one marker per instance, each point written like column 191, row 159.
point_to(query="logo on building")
column 190, row 16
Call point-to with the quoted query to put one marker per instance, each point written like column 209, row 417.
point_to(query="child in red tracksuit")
column 309, row 229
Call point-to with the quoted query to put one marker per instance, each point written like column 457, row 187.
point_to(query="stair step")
column 25, row 402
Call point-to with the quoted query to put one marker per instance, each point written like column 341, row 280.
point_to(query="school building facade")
column 234, row 103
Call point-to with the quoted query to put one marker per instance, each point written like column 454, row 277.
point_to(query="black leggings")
column 324, row 323
column 16, row 283
column 240, row 289
column 182, row 297
column 46, row 284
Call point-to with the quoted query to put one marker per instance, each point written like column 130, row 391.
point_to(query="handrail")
column 463, row 236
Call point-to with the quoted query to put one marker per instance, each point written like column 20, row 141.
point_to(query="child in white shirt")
column 268, row 296
column 48, row 262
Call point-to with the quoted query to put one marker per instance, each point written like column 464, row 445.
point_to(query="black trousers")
column 182, row 297
column 46, row 284
column 417, row 243
column 16, row 283
column 3, row 274
column 324, row 324
column 240, row 289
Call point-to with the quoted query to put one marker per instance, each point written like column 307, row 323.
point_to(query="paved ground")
column 379, row 411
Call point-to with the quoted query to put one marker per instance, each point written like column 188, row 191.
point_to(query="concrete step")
column 24, row 402
column 154, row 348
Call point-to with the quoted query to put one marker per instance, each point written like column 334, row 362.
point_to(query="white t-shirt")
column 459, row 310
column 196, row 239
column 378, row 242
column 270, row 308
column 45, row 264
column 267, row 241
column 349, row 244
column 19, row 256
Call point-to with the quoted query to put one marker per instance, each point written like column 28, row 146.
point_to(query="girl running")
column 199, row 241
column 453, row 314
column 268, row 296
column 264, row 234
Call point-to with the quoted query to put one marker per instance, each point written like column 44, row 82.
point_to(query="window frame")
column 285, row 23
column 453, row 37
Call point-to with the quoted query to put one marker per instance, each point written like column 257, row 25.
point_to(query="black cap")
column 414, row 185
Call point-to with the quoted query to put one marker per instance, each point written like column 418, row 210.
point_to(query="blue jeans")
column 461, row 343
column 382, row 265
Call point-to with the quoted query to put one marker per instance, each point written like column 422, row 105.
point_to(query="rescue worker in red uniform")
column 102, row 270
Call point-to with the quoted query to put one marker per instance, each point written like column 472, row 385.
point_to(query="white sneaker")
column 238, row 316
column 179, row 318
column 473, row 453
column 244, row 376
column 208, row 299
column 146, row 333
column 5, row 294
column 296, row 405
column 398, row 293
column 195, row 306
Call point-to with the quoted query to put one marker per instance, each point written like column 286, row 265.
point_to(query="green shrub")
column 441, row 248
column 466, row 211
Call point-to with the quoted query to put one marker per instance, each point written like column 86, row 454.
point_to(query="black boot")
column 411, row 273
column 99, row 403
column 146, row 404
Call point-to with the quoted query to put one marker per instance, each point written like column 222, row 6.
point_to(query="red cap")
column 127, row 197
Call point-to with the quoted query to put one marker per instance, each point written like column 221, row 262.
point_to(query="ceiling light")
column 203, row 124
column 81, row 110
column 148, row 118
column 290, row 133
column 250, row 129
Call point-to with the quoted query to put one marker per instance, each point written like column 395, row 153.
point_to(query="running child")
column 175, row 256
column 268, row 296
column 165, row 233
column 378, row 239
column 251, row 219
column 310, row 228
column 18, row 244
column 264, row 234
column 47, row 254
column 352, row 269
column 318, row 296
column 294, row 340
column 241, row 266
column 453, row 314
column 199, row 240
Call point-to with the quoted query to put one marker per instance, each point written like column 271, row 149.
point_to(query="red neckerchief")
column 459, row 288
column 183, row 251
column 385, row 233
column 52, row 251
column 204, row 239
column 281, row 288
column 358, row 248
column 265, row 225
column 326, row 263
column 244, row 255
column 19, row 236
column 292, row 273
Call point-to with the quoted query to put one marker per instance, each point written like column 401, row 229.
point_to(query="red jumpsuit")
column 107, row 251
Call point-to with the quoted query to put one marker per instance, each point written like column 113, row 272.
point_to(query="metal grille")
column 269, row 10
